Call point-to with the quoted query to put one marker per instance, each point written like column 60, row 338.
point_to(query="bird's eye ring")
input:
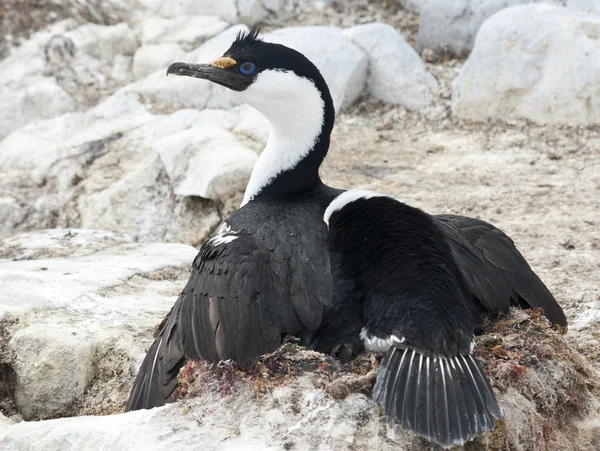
column 247, row 68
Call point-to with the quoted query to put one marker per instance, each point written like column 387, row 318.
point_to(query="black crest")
column 250, row 37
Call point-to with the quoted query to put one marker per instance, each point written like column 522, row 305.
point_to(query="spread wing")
column 495, row 270
column 244, row 292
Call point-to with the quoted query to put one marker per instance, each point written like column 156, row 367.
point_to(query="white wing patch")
column 222, row 238
column 377, row 344
column 348, row 197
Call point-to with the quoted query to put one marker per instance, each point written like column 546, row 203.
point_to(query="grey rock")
column 186, row 31
column 54, row 366
column 206, row 161
column 155, row 58
column 104, row 42
column 414, row 6
column 396, row 72
column 451, row 26
column 537, row 62
column 77, row 306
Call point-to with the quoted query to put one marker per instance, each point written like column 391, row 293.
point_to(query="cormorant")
column 268, row 272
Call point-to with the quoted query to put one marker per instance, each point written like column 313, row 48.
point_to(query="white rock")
column 155, row 57
column 99, row 170
column 254, row 125
column 54, row 365
column 453, row 25
column 342, row 64
column 215, row 47
column 36, row 147
column 206, row 161
column 253, row 11
column 396, row 72
column 59, row 243
column 173, row 93
column 122, row 69
column 187, row 31
column 414, row 6
column 536, row 61
column 215, row 423
column 42, row 98
column 225, row 9
column 104, row 42
column 592, row 6
column 11, row 213
column 69, row 316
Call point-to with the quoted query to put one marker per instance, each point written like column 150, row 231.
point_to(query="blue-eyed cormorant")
column 268, row 273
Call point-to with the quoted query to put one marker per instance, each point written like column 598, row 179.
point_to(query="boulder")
column 41, row 98
column 185, row 31
column 414, row 6
column 452, row 26
column 206, row 161
column 215, row 47
column 104, row 42
column 154, row 58
column 11, row 213
column 77, row 309
column 54, row 365
column 251, row 12
column 537, row 62
column 396, row 72
column 162, row 94
column 225, row 9
column 99, row 169
column 246, row 11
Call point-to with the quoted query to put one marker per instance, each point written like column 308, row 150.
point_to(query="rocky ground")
column 97, row 138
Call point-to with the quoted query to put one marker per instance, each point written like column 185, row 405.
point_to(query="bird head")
column 276, row 80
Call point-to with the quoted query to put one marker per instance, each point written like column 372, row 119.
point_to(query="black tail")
column 157, row 377
column 446, row 400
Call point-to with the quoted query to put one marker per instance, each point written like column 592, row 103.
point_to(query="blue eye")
column 247, row 68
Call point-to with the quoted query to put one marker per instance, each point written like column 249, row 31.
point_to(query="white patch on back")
column 348, row 197
column 224, row 228
column 222, row 238
column 376, row 344
column 296, row 110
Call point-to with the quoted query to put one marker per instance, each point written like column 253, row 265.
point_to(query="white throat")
column 296, row 110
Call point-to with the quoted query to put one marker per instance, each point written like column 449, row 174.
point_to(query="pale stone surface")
column 452, row 25
column 168, row 94
column 342, row 64
column 414, row 6
column 104, row 42
column 155, row 57
column 186, row 31
column 225, row 9
column 54, row 366
column 213, row 422
column 215, row 47
column 11, row 213
column 41, row 98
column 206, row 161
column 99, row 169
column 537, row 62
column 396, row 72
column 71, row 302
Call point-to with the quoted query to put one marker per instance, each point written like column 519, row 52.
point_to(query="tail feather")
column 446, row 400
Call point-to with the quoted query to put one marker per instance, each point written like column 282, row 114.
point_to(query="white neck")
column 295, row 108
